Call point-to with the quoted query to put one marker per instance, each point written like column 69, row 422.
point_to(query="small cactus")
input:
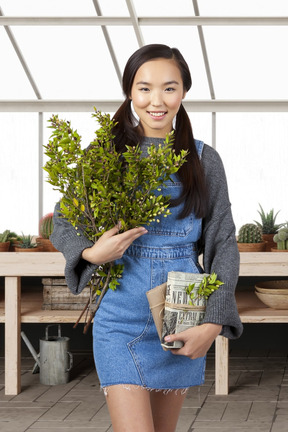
column 250, row 233
column 281, row 238
column 46, row 226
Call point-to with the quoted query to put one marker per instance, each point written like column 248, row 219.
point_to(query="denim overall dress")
column 126, row 345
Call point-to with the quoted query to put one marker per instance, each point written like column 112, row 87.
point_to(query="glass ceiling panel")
column 149, row 8
column 119, row 37
column 187, row 41
column 48, row 8
column 18, row 86
column 248, row 62
column 113, row 7
column 243, row 7
column 69, row 62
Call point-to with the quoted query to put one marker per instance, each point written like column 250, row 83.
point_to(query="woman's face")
column 157, row 92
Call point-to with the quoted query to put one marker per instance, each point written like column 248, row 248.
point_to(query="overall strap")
column 199, row 147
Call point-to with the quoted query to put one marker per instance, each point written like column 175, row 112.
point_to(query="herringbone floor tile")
column 257, row 401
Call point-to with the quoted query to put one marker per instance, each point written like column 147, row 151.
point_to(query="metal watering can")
column 55, row 359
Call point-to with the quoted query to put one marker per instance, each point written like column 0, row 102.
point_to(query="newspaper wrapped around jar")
column 171, row 306
column 179, row 313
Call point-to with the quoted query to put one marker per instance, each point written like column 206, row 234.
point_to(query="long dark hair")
column 194, row 192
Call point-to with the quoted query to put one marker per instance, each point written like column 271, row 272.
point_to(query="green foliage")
column 26, row 242
column 208, row 285
column 268, row 222
column 281, row 238
column 46, row 226
column 7, row 235
column 101, row 187
column 250, row 233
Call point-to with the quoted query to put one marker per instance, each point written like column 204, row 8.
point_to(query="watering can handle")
column 71, row 361
column 52, row 325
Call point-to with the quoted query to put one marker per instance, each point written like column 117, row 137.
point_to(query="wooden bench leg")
column 12, row 335
column 221, row 366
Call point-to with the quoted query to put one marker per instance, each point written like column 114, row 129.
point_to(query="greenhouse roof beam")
column 145, row 21
column 113, row 105
column 135, row 23
column 109, row 43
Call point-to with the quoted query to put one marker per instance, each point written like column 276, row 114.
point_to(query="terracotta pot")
column 4, row 246
column 268, row 238
column 13, row 245
column 36, row 249
column 252, row 247
column 46, row 244
column 279, row 250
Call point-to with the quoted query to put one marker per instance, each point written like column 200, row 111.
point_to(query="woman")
column 128, row 355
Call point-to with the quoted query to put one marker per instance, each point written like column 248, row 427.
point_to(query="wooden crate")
column 57, row 296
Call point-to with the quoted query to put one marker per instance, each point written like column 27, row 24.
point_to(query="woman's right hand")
column 111, row 245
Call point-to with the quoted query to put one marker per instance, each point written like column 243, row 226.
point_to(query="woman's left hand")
column 197, row 340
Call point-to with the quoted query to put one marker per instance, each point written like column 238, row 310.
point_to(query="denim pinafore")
column 126, row 345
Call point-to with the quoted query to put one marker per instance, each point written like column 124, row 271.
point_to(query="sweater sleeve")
column 219, row 247
column 71, row 243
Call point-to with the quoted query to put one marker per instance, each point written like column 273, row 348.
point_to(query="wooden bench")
column 14, row 265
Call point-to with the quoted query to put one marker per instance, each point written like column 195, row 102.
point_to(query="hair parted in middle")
column 191, row 174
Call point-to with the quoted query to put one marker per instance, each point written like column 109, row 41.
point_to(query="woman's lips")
column 157, row 115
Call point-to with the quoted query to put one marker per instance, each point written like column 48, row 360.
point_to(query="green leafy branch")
column 101, row 187
column 207, row 286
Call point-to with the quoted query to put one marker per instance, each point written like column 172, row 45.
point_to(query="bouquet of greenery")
column 101, row 187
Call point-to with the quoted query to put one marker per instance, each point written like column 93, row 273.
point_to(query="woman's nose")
column 156, row 99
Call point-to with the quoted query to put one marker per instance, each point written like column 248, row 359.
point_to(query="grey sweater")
column 218, row 245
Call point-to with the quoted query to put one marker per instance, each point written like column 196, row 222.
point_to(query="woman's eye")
column 144, row 89
column 169, row 89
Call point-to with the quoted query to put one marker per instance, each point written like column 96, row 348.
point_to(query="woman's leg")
column 130, row 409
column 166, row 409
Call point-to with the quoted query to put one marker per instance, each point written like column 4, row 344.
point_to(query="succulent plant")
column 250, row 233
column 46, row 226
column 281, row 238
column 7, row 235
column 26, row 242
column 268, row 225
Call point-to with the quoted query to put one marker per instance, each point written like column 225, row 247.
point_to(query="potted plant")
column 268, row 226
column 5, row 240
column 45, row 230
column 281, row 238
column 27, row 244
column 185, row 298
column 250, row 239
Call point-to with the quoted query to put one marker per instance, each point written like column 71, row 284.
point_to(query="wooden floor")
column 258, row 399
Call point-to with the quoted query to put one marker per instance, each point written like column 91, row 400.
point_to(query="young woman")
column 144, row 385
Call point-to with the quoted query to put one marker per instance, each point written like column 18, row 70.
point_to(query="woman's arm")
column 82, row 255
column 220, row 255
column 219, row 247
column 71, row 243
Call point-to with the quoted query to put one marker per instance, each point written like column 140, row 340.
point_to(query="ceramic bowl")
column 273, row 287
column 274, row 301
